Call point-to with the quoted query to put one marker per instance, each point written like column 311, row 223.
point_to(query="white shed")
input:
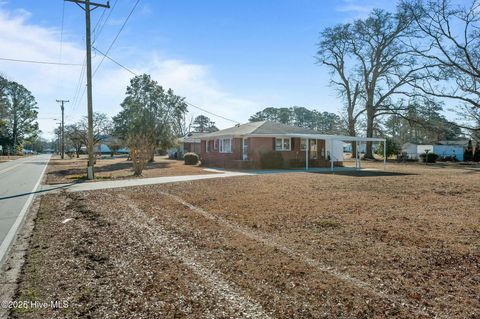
column 411, row 150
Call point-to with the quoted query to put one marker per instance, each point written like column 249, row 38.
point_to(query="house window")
column 303, row 144
column 282, row 144
column 209, row 146
column 225, row 145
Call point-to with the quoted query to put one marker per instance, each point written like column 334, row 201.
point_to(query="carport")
column 339, row 138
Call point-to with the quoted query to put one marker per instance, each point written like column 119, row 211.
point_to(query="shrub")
column 476, row 156
column 191, row 158
column 271, row 160
column 392, row 148
column 432, row 157
column 140, row 150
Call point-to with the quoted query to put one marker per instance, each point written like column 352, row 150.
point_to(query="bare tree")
column 102, row 125
column 334, row 51
column 381, row 66
column 452, row 34
column 76, row 136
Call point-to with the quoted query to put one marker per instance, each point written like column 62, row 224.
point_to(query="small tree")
column 147, row 119
column 75, row 136
column 140, row 146
column 114, row 144
column 392, row 148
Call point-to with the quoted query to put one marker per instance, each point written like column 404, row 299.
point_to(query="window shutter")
column 292, row 146
column 216, row 144
column 274, row 143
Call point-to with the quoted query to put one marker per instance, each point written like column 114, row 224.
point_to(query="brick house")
column 268, row 144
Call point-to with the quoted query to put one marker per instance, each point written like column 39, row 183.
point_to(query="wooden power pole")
column 62, row 148
column 88, row 6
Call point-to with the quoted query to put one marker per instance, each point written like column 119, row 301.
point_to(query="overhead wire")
column 116, row 37
column 112, row 43
column 100, row 29
column 40, row 62
column 191, row 104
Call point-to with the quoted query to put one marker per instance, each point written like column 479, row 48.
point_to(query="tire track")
column 238, row 301
column 273, row 242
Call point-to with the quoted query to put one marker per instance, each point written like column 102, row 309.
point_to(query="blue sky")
column 231, row 57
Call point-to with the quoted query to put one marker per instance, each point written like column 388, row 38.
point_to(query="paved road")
column 18, row 180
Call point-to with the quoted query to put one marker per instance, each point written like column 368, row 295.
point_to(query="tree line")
column 390, row 63
column 18, row 115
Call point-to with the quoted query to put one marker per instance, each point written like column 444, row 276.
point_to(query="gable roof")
column 274, row 129
column 262, row 127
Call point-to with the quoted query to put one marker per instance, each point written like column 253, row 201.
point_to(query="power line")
column 211, row 113
column 100, row 29
column 111, row 45
column 61, row 33
column 117, row 63
column 192, row 105
column 40, row 62
column 116, row 37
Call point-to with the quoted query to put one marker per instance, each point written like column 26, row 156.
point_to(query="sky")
column 232, row 58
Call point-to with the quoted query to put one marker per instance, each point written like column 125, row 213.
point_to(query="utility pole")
column 88, row 7
column 58, row 137
column 62, row 149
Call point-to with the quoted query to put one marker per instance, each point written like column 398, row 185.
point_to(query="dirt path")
column 275, row 243
column 178, row 249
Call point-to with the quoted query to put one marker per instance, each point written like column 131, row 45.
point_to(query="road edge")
column 10, row 238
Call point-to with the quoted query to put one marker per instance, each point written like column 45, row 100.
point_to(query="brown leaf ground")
column 300, row 245
column 107, row 168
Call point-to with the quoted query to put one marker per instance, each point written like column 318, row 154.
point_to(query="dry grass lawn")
column 69, row 170
column 302, row 245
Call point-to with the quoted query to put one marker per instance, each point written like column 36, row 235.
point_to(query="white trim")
column 322, row 137
column 306, row 145
column 310, row 136
column 221, row 146
column 283, row 149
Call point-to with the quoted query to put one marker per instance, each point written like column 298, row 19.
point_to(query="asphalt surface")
column 19, row 179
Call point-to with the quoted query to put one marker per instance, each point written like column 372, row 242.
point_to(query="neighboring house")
column 411, row 150
column 104, row 149
column 447, row 150
column 267, row 144
column 186, row 144
column 347, row 148
column 461, row 142
column 190, row 143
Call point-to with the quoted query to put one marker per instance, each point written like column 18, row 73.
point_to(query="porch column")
column 306, row 153
column 331, row 155
column 384, row 154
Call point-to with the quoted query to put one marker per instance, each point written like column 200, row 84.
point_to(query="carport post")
column 306, row 153
column 331, row 155
column 357, row 157
column 384, row 154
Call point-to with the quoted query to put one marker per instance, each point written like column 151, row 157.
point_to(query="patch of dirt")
column 108, row 168
column 296, row 245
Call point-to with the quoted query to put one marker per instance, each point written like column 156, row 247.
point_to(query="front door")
column 245, row 149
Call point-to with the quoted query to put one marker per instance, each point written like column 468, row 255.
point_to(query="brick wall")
column 214, row 158
column 258, row 145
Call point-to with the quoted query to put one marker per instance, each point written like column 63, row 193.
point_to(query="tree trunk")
column 152, row 156
column 370, row 128
column 352, row 132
